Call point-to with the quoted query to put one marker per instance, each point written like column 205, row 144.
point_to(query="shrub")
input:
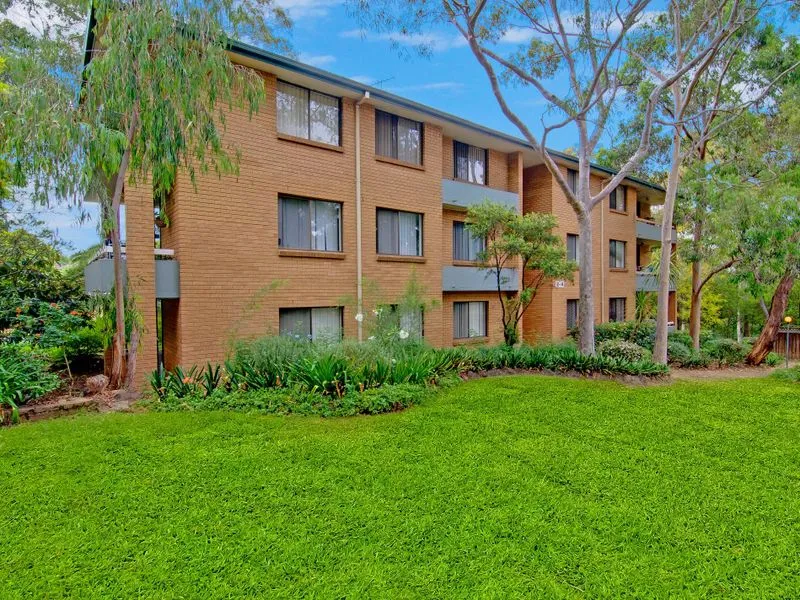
column 641, row 333
column 678, row 352
column 24, row 376
column 725, row 351
column 791, row 375
column 773, row 359
column 627, row 351
column 680, row 336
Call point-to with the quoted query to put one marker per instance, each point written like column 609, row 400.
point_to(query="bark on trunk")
column 696, row 300
column 662, row 312
column 132, row 349
column 777, row 309
column 586, row 302
column 118, row 369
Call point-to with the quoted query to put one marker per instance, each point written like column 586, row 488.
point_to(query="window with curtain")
column 409, row 319
column 399, row 232
column 616, row 309
column 616, row 254
column 572, row 180
column 617, row 199
column 469, row 163
column 469, row 319
column 397, row 137
column 308, row 114
column 572, row 247
column 572, row 314
column 465, row 245
column 309, row 224
column 313, row 324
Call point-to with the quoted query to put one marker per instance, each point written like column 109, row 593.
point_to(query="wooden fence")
column 794, row 343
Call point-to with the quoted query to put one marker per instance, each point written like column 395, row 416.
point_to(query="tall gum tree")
column 581, row 42
column 153, row 99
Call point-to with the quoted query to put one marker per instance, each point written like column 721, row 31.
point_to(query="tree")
column 153, row 101
column 688, row 31
column 526, row 241
column 580, row 43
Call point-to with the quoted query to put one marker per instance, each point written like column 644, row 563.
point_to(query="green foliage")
column 641, row 333
column 724, row 351
column 24, row 375
column 535, row 475
column 791, row 375
column 773, row 359
column 624, row 350
column 511, row 240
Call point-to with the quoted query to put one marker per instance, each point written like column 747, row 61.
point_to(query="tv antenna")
column 380, row 82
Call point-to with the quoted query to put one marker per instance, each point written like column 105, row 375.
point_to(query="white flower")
column 371, row 338
column 376, row 312
column 359, row 317
column 402, row 334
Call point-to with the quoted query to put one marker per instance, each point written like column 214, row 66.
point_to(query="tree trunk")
column 662, row 312
column 586, row 302
column 694, row 314
column 118, row 365
column 132, row 349
column 777, row 309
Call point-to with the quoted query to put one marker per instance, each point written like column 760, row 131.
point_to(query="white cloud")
column 435, row 41
column 317, row 60
column 366, row 79
column 304, row 9
column 37, row 20
column 522, row 35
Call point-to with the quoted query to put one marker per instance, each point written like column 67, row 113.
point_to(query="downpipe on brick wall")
column 359, row 260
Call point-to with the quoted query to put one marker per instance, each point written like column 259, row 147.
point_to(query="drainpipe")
column 603, row 254
column 359, row 258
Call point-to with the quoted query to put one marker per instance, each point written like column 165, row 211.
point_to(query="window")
column 572, row 180
column 409, row 319
column 465, row 245
column 616, row 309
column 308, row 114
column 572, row 314
column 397, row 137
column 617, row 199
column 312, row 324
column 469, row 162
column 572, row 247
column 616, row 254
column 469, row 319
column 309, row 224
column 399, row 232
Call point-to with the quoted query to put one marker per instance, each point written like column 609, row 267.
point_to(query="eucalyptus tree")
column 573, row 56
column 153, row 101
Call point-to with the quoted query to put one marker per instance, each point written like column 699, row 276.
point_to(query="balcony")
column 477, row 279
column 460, row 194
column 647, row 229
column 99, row 274
column 647, row 281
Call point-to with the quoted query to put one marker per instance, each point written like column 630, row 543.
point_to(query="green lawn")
column 499, row 488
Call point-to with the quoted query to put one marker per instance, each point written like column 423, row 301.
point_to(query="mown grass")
column 509, row 487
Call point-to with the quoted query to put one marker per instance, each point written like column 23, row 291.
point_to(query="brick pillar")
column 141, row 274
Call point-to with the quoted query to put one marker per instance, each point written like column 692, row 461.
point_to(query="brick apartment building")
column 342, row 183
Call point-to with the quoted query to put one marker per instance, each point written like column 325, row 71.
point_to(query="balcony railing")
column 461, row 194
column 647, row 281
column 99, row 274
column 477, row 279
column 648, row 229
